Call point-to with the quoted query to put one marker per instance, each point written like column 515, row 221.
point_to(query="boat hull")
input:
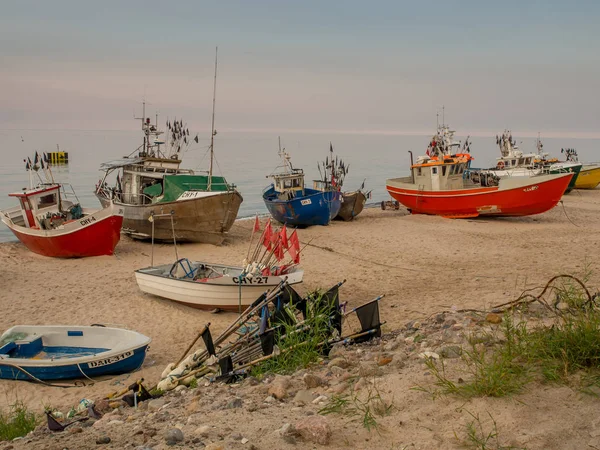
column 352, row 205
column 519, row 196
column 205, row 219
column 95, row 234
column 589, row 178
column 314, row 208
column 225, row 293
column 127, row 353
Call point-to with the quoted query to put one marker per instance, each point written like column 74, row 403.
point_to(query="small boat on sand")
column 589, row 177
column 210, row 286
column 293, row 204
column 54, row 352
column 51, row 223
column 438, row 186
column 352, row 205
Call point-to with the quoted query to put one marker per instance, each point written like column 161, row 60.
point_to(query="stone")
column 192, row 407
column 270, row 399
column 235, row 403
column 278, row 391
column 340, row 388
column 116, row 422
column 237, row 436
column 174, row 435
column 214, row 446
column 103, row 440
column 314, row 429
column 304, row 397
column 288, row 433
column 391, row 346
column 384, row 361
column 312, row 381
column 337, row 351
column 562, row 306
column 319, row 399
column 450, row 352
column 75, row 430
column 429, row 354
column 493, row 318
column 245, row 440
column 369, row 369
column 102, row 406
column 342, row 363
column 203, row 431
column 361, row 383
column 156, row 404
column 180, row 388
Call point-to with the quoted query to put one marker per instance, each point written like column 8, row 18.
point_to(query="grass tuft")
column 17, row 422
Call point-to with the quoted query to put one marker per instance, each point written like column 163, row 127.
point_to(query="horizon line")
column 480, row 133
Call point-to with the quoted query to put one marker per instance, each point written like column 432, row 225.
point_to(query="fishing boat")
column 291, row 203
column 50, row 222
column 589, row 176
column 53, row 352
column 514, row 163
column 151, row 182
column 211, row 286
column 438, row 186
column 353, row 203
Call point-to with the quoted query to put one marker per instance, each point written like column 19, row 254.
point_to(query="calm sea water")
column 243, row 158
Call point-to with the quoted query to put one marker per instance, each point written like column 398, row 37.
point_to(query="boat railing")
column 141, row 199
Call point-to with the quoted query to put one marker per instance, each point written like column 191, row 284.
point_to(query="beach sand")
column 422, row 264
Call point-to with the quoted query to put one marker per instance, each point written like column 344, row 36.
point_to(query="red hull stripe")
column 522, row 201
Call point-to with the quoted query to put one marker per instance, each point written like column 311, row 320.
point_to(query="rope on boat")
column 82, row 373
column 33, row 378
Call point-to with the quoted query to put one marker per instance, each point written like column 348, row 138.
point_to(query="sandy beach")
column 422, row 264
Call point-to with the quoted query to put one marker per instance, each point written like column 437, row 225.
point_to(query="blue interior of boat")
column 35, row 349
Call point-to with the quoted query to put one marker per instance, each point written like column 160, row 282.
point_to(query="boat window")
column 528, row 161
column 419, row 171
column 47, row 200
column 287, row 184
column 443, row 171
column 434, row 170
column 514, row 162
column 461, row 168
column 521, row 161
column 296, row 182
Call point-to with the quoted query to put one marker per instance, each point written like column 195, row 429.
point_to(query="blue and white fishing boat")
column 33, row 353
column 293, row 204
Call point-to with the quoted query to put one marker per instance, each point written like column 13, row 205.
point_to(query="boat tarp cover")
column 175, row 185
column 117, row 163
column 153, row 190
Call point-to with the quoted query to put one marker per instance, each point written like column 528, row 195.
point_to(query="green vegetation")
column 17, row 422
column 299, row 345
column 478, row 436
column 571, row 346
column 364, row 410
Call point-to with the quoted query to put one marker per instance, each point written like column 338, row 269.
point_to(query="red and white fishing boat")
column 438, row 185
column 50, row 224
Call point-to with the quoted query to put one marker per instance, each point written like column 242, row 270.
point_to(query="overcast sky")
column 358, row 66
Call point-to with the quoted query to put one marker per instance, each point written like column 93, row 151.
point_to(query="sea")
column 245, row 158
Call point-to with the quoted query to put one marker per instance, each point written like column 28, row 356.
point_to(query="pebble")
column 319, row 399
column 103, row 440
column 235, row 403
column 156, row 404
column 304, row 397
column 174, row 435
column 270, row 399
column 384, row 361
column 203, row 430
column 237, row 437
column 432, row 355
column 245, row 440
column 339, row 362
column 451, row 351
column 369, row 369
column 493, row 318
column 312, row 381
column 314, row 429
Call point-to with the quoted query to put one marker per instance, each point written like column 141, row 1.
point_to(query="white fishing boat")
column 211, row 286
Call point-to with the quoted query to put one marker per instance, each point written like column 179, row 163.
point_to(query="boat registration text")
column 111, row 360
column 253, row 280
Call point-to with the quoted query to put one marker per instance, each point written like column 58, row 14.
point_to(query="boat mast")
column 212, row 133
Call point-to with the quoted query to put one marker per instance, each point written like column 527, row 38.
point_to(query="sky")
column 335, row 66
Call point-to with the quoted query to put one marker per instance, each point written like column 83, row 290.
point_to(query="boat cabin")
column 289, row 185
column 43, row 208
column 434, row 174
column 324, row 186
column 517, row 159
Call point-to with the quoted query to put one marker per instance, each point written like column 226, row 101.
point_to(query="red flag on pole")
column 279, row 251
column 284, row 238
column 294, row 247
column 267, row 235
column 256, row 225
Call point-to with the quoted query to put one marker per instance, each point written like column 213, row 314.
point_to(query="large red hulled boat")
column 51, row 224
column 438, row 185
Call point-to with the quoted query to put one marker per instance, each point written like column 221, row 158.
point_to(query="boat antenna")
column 213, row 132
column 443, row 115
